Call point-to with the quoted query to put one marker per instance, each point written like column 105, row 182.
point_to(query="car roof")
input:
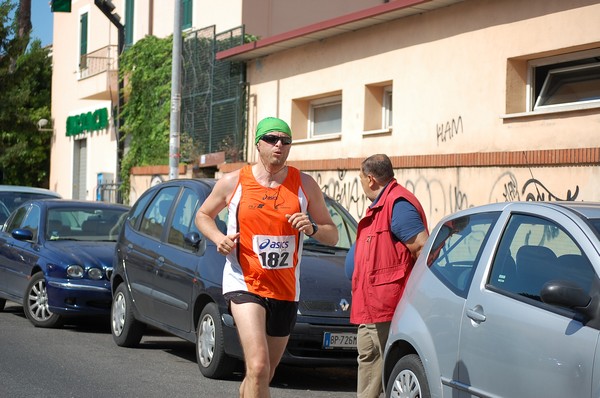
column 25, row 189
column 63, row 203
column 589, row 210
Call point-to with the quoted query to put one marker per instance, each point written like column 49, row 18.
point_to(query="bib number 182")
column 274, row 259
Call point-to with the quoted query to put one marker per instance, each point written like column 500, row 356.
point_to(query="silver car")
column 504, row 301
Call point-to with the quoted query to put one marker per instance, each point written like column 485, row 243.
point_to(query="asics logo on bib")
column 273, row 245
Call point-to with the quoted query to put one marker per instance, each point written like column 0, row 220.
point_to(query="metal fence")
column 109, row 192
column 213, row 100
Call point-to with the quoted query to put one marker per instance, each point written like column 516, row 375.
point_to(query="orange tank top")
column 267, row 257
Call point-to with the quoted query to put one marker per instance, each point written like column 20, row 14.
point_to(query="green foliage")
column 25, row 81
column 146, row 70
column 248, row 38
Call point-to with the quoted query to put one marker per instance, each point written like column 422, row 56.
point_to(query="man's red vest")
column 382, row 263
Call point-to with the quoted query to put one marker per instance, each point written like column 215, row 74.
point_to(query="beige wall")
column 264, row 18
column 448, row 67
column 444, row 66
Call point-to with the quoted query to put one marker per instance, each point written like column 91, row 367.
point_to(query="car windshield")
column 84, row 224
column 345, row 223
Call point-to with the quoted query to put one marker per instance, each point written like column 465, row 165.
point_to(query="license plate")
column 339, row 340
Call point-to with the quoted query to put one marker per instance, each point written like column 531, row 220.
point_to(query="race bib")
column 274, row 252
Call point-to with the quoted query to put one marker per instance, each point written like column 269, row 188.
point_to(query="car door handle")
column 476, row 314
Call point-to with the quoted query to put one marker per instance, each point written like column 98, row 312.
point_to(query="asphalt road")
column 81, row 360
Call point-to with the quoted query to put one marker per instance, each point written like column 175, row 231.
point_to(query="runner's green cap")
column 270, row 124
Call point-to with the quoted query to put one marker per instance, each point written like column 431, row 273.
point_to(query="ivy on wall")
column 145, row 69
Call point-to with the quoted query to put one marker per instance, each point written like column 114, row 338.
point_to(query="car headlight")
column 95, row 273
column 75, row 271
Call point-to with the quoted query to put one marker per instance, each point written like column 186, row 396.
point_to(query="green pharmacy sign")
column 86, row 122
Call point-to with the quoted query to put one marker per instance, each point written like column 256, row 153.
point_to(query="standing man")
column 269, row 206
column 389, row 239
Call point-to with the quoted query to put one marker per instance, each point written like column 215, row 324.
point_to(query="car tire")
column 126, row 330
column 35, row 304
column 2, row 304
column 213, row 362
column 408, row 379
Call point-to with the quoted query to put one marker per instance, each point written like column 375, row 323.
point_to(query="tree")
column 25, row 83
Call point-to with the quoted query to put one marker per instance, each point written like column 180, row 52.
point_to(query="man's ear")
column 373, row 184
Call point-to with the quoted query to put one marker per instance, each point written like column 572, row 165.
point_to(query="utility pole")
column 174, row 136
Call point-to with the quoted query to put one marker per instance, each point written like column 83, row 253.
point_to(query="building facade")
column 85, row 97
column 475, row 101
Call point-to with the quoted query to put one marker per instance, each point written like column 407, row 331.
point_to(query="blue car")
column 56, row 258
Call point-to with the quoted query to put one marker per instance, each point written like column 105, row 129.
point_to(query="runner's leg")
column 250, row 319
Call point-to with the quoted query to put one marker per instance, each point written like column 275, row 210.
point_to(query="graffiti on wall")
column 450, row 129
column 347, row 192
column 439, row 197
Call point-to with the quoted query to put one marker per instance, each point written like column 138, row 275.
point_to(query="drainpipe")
column 107, row 8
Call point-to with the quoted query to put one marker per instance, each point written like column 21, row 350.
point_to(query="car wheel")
column 2, row 304
column 126, row 330
column 408, row 379
column 35, row 304
column 210, row 352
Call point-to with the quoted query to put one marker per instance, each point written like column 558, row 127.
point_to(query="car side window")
column 137, row 209
column 183, row 218
column 155, row 216
column 457, row 248
column 15, row 222
column 32, row 221
column 534, row 251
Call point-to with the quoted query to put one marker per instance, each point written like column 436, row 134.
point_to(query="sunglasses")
column 272, row 139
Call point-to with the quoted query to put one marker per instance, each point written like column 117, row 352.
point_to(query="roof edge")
column 319, row 26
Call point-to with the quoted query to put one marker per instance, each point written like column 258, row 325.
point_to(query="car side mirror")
column 570, row 295
column 22, row 234
column 196, row 240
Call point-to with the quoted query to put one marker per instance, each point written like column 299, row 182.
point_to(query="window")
column 387, row 108
column 31, row 221
column 566, row 81
column 16, row 220
column 378, row 107
column 186, row 14
column 183, row 219
column 136, row 211
column 156, row 215
column 325, row 116
column 318, row 116
column 457, row 248
column 534, row 251
column 129, row 7
column 341, row 218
